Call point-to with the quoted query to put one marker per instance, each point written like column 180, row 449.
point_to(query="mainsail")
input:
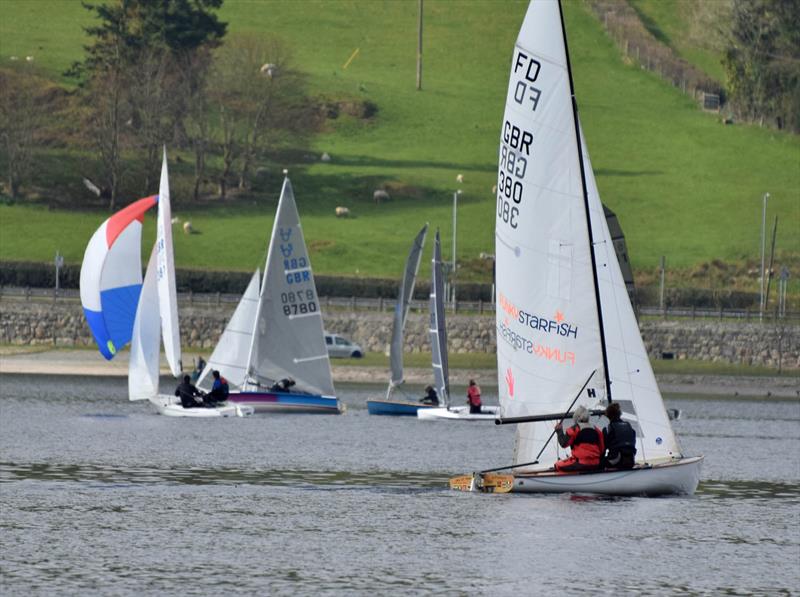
column 288, row 339
column 438, row 329
column 230, row 354
column 558, row 327
column 402, row 307
column 167, row 293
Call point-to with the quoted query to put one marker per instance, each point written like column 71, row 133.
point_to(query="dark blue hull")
column 287, row 402
column 395, row 408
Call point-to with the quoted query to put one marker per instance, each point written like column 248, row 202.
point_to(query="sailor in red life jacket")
column 474, row 398
column 585, row 442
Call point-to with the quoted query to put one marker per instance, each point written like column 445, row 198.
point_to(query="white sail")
column 548, row 334
column 633, row 383
column 438, row 328
column 167, row 293
column 143, row 366
column 288, row 340
column 556, row 327
column 231, row 351
column 402, row 307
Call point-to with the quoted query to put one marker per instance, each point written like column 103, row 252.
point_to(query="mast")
column 586, row 205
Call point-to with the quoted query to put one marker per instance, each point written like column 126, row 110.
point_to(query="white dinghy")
column 566, row 331
column 441, row 371
column 157, row 316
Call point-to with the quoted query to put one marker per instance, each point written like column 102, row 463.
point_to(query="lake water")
column 102, row 496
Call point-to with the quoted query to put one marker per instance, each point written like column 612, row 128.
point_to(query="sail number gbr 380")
column 516, row 141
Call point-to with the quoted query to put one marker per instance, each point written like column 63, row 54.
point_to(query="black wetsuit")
column 187, row 392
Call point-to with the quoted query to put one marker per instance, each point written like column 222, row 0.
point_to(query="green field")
column 683, row 184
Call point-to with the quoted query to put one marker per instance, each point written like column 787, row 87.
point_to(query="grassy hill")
column 683, row 184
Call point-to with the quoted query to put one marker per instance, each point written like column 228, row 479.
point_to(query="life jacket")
column 620, row 437
column 474, row 395
column 224, row 387
column 586, row 444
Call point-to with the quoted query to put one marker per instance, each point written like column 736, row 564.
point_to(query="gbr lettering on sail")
column 516, row 144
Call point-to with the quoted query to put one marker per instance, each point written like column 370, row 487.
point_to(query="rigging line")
column 578, row 395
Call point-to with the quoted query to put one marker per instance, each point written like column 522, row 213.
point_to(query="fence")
column 189, row 299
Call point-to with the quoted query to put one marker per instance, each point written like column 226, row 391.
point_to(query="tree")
column 260, row 97
column 20, row 113
column 130, row 70
column 762, row 61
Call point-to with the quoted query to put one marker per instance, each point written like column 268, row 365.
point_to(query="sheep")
column 342, row 212
column 187, row 227
column 380, row 195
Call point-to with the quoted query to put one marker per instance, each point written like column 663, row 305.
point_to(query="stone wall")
column 61, row 323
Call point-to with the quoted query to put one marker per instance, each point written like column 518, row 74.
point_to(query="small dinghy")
column 392, row 405
column 566, row 331
column 276, row 332
column 439, row 360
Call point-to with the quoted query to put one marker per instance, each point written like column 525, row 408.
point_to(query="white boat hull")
column 171, row 407
column 679, row 477
column 458, row 413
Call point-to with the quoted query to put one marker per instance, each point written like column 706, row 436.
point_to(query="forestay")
column 438, row 329
column 288, row 339
column 402, row 307
column 234, row 344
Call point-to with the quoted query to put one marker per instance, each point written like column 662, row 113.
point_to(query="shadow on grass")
column 626, row 173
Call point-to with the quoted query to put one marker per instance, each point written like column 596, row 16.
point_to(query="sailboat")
column 157, row 317
column 566, row 331
column 391, row 405
column 276, row 332
column 439, row 361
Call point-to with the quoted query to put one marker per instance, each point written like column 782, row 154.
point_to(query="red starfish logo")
column 559, row 316
column 510, row 382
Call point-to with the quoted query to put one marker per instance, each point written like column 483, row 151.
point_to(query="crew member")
column 620, row 439
column 219, row 390
column 431, row 397
column 190, row 396
column 284, row 385
column 585, row 442
column 474, row 398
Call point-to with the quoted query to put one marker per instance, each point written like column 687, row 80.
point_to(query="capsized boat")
column 566, row 330
column 276, row 331
column 393, row 405
column 439, row 361
column 157, row 317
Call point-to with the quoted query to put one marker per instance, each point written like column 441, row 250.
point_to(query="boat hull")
column 458, row 413
column 169, row 406
column 395, row 408
column 678, row 477
column 287, row 402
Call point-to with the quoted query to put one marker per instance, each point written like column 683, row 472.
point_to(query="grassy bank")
column 683, row 184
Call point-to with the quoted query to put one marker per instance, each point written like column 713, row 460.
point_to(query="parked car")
column 342, row 347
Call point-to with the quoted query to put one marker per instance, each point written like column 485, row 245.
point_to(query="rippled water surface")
column 102, row 496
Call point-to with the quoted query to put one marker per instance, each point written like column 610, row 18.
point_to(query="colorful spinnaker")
column 111, row 277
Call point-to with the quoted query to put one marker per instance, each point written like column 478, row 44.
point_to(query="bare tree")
column 259, row 95
column 19, row 118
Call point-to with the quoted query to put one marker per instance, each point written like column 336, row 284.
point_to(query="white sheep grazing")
column 380, row 195
column 187, row 227
column 342, row 212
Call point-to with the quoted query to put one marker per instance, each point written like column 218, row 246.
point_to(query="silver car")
column 342, row 347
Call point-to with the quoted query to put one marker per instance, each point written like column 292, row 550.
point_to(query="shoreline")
column 90, row 363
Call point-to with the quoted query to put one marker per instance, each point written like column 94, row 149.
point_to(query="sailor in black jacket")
column 620, row 439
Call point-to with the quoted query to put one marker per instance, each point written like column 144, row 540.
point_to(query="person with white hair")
column 585, row 442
